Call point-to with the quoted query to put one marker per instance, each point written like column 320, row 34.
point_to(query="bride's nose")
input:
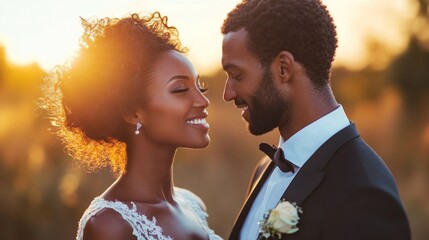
column 201, row 100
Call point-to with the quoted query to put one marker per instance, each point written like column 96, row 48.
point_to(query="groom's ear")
column 283, row 66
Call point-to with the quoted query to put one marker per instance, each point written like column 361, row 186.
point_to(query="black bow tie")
column 277, row 155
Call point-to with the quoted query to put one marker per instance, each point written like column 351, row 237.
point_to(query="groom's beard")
column 268, row 107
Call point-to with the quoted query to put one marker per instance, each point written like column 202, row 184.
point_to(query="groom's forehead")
column 235, row 38
column 234, row 47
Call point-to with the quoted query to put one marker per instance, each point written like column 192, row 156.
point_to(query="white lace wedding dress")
column 143, row 228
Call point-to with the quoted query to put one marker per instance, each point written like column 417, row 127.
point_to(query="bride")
column 129, row 100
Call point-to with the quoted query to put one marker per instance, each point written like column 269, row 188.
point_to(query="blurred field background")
column 382, row 80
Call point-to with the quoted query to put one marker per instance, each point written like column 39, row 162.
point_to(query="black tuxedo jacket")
column 345, row 190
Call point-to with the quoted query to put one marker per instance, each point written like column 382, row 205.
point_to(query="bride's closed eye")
column 180, row 90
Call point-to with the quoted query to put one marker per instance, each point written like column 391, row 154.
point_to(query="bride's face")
column 174, row 112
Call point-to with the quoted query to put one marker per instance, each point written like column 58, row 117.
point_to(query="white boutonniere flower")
column 280, row 220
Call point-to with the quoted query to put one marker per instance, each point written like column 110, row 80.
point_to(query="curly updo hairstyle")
column 87, row 98
column 303, row 27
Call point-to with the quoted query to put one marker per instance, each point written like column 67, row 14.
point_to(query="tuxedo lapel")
column 235, row 233
column 312, row 173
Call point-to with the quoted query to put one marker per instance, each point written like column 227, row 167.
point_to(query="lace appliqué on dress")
column 143, row 228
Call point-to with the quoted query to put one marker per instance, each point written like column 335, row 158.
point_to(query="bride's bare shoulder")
column 107, row 224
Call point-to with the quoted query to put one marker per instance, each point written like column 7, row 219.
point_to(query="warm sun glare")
column 47, row 31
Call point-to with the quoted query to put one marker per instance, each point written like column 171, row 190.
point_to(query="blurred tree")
column 423, row 9
column 410, row 71
column 410, row 74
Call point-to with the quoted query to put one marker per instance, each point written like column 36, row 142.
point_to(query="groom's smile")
column 239, row 103
column 245, row 113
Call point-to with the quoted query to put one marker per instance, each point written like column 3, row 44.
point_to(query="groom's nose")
column 229, row 92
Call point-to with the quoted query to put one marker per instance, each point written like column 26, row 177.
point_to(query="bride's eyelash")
column 180, row 90
column 202, row 86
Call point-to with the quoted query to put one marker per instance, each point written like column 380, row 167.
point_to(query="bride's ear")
column 133, row 117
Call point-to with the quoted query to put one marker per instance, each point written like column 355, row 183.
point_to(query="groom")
column 278, row 55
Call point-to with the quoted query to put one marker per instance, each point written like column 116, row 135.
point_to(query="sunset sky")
column 47, row 31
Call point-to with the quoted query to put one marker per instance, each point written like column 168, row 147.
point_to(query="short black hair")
column 303, row 27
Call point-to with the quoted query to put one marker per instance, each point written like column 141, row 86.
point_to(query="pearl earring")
column 138, row 126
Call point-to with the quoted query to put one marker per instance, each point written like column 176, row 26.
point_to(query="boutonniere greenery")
column 280, row 220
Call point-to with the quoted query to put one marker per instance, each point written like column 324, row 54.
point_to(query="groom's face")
column 251, row 85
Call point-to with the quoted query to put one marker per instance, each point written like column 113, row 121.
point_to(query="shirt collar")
column 299, row 148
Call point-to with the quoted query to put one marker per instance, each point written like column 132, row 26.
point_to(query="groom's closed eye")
column 235, row 75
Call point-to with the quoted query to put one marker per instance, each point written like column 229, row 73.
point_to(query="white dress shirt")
column 297, row 149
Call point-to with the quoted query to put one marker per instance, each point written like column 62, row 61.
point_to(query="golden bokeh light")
column 67, row 189
column 47, row 31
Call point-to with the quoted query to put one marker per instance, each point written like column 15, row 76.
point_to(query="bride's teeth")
column 197, row 121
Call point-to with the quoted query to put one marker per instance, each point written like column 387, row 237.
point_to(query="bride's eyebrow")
column 183, row 77
column 179, row 77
